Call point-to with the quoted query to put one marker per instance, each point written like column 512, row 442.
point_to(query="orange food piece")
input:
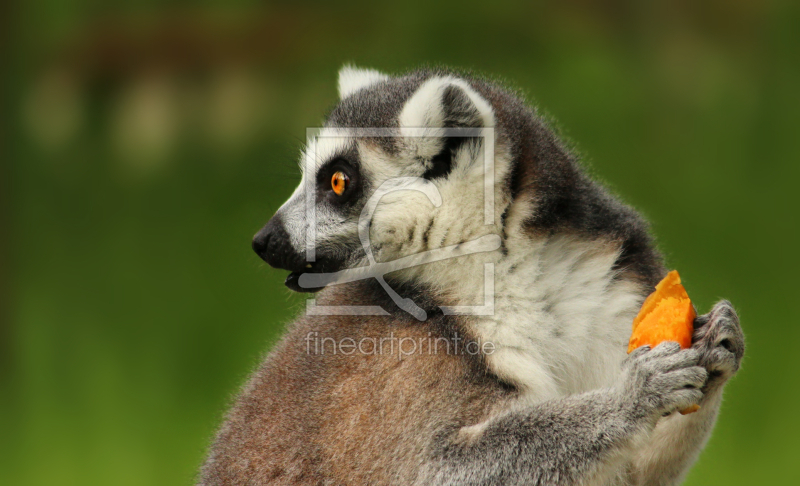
column 690, row 409
column 666, row 315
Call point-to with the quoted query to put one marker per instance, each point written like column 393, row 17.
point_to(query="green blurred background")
column 143, row 144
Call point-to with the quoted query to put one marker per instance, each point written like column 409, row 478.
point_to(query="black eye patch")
column 350, row 168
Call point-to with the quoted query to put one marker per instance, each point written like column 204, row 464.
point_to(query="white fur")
column 294, row 212
column 424, row 109
column 562, row 314
column 561, row 318
column 352, row 79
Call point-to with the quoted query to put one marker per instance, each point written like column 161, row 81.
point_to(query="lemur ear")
column 352, row 79
column 447, row 102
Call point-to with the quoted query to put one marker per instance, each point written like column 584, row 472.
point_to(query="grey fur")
column 568, row 440
column 328, row 419
column 567, row 199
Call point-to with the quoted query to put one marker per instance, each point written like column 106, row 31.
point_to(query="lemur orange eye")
column 339, row 182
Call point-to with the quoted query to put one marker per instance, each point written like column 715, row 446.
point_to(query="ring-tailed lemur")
column 541, row 390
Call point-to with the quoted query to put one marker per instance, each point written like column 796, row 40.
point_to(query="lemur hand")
column 719, row 339
column 659, row 381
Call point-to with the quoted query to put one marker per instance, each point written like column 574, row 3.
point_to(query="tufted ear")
column 447, row 102
column 442, row 103
column 352, row 79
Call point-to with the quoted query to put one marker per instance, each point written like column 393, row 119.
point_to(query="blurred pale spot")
column 53, row 111
column 144, row 123
column 235, row 107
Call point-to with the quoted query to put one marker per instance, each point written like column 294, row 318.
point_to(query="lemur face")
column 384, row 132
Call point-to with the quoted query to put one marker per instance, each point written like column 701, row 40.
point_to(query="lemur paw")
column 662, row 380
column 719, row 339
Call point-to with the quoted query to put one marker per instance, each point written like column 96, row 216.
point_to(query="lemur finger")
column 729, row 342
column 724, row 309
column 683, row 399
column 664, row 349
column 720, row 360
column 638, row 353
column 700, row 332
column 681, row 359
column 689, row 378
column 723, row 332
column 701, row 321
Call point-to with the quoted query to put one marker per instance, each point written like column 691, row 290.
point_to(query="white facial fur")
column 460, row 217
column 296, row 212
column 561, row 317
column 558, row 307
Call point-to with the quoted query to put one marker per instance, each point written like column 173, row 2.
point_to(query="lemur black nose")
column 274, row 246
column 260, row 243
column 266, row 241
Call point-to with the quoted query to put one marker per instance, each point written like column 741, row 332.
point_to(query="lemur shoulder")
column 554, row 399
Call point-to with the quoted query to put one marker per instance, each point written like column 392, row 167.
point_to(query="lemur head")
column 430, row 129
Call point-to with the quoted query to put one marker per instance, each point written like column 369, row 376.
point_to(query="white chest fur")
column 562, row 317
column 562, row 314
